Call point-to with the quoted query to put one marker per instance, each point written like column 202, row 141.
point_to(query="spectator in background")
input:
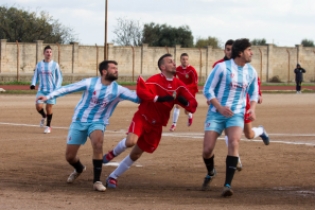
column 299, row 77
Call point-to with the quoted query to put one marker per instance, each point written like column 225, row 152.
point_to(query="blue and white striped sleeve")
column 126, row 94
column 35, row 76
column 59, row 78
column 211, row 83
column 253, row 89
column 75, row 87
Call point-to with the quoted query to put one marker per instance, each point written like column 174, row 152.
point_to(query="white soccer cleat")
column 42, row 122
column 98, row 186
column 47, row 130
column 74, row 175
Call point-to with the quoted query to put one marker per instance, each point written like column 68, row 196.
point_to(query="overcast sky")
column 282, row 22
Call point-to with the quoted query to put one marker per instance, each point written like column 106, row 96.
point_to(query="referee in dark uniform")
column 299, row 77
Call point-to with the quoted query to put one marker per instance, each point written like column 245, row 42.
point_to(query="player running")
column 249, row 131
column 225, row 91
column 91, row 116
column 188, row 75
column 48, row 73
column 158, row 96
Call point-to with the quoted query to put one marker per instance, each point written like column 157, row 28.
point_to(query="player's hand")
column 41, row 98
column 208, row 102
column 260, row 99
column 182, row 100
column 32, row 87
column 165, row 98
column 251, row 114
column 225, row 111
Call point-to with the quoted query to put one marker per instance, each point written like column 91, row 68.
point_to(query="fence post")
column 261, row 64
column 288, row 65
column 133, row 63
column 96, row 59
column 2, row 47
column 200, row 65
column 18, row 61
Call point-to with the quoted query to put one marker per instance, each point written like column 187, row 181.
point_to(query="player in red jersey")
column 188, row 75
column 158, row 96
column 249, row 131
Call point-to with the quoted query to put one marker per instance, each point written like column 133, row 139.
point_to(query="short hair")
column 229, row 42
column 161, row 59
column 239, row 46
column 47, row 47
column 104, row 65
column 184, row 54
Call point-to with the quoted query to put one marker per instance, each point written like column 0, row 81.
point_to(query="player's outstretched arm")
column 64, row 90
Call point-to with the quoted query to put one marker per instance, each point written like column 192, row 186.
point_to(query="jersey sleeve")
column 129, row 95
column 143, row 92
column 253, row 90
column 75, row 87
column 35, row 76
column 58, row 76
column 183, row 91
column 211, row 83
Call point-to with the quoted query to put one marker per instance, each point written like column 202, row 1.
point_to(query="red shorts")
column 149, row 134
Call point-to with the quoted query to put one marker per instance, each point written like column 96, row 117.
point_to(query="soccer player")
column 249, row 131
column 48, row 73
column 225, row 91
column 188, row 75
column 91, row 116
column 158, row 96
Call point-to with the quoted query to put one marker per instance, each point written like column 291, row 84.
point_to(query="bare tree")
column 128, row 32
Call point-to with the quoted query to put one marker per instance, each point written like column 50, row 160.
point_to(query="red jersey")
column 219, row 61
column 189, row 77
column 159, row 85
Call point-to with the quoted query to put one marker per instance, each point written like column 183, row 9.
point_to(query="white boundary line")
column 192, row 135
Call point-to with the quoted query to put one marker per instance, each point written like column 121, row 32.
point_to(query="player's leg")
column 175, row 117
column 125, row 143
column 124, row 165
column 49, row 111
column 190, row 118
column 77, row 136
column 134, row 131
column 39, row 107
column 234, row 127
column 254, row 132
column 97, row 139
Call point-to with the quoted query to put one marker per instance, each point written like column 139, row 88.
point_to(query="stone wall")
column 17, row 60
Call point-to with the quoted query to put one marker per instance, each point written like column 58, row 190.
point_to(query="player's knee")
column 70, row 157
column 233, row 143
column 207, row 152
column 131, row 141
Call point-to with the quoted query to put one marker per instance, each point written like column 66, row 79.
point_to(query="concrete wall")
column 78, row 61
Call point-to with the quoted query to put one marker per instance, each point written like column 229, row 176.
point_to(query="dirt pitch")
column 33, row 170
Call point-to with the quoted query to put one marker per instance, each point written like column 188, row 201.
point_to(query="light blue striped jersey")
column 98, row 101
column 48, row 74
column 229, row 84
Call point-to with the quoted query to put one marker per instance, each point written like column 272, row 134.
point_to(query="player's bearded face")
column 111, row 76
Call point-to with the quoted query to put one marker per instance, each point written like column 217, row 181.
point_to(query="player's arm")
column 253, row 96
column 64, row 90
column 259, row 91
column 211, row 83
column 59, row 78
column 34, row 79
column 186, row 99
column 146, row 94
column 303, row 70
column 129, row 95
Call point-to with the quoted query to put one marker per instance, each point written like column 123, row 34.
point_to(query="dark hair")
column 184, row 54
column 104, row 65
column 47, row 47
column 229, row 42
column 161, row 59
column 239, row 46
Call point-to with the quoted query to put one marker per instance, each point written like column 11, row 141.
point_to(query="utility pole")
column 105, row 42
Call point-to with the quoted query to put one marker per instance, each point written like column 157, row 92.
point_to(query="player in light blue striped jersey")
column 225, row 91
column 48, row 74
column 91, row 115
